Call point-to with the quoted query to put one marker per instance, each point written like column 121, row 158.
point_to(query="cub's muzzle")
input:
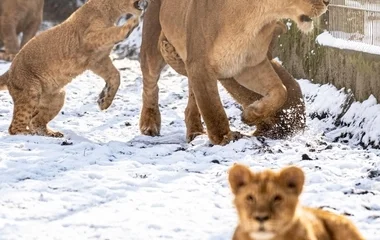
column 141, row 5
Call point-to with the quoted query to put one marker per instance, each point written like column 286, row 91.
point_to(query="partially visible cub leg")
column 193, row 122
column 49, row 106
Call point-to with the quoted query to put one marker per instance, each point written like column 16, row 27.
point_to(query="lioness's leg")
column 30, row 31
column 266, row 83
column 106, row 70
column 207, row 97
column 8, row 31
column 152, row 64
column 48, row 107
column 25, row 102
column 240, row 93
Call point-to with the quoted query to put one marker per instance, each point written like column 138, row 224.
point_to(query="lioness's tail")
column 3, row 81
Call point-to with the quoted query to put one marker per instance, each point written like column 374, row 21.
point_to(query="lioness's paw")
column 230, row 136
column 150, row 131
column 250, row 116
column 190, row 136
column 150, row 122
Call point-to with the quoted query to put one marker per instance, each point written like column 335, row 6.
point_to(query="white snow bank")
column 343, row 120
column 326, row 39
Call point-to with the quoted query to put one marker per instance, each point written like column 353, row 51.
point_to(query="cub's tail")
column 3, row 81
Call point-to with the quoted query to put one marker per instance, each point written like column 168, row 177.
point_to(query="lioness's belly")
column 227, row 49
column 229, row 58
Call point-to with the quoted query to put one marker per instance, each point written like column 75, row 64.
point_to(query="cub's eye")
column 277, row 199
column 250, row 198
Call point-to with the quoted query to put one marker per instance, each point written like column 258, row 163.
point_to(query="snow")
column 129, row 47
column 326, row 39
column 105, row 180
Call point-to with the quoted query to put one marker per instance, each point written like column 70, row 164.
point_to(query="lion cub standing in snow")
column 40, row 71
column 18, row 16
column 268, row 208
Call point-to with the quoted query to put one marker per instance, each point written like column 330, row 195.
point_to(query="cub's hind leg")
column 193, row 121
column 49, row 106
column 25, row 102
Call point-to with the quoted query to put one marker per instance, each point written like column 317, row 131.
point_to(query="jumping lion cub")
column 18, row 16
column 40, row 71
column 268, row 208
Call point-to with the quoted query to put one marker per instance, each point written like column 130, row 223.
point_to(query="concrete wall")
column 304, row 58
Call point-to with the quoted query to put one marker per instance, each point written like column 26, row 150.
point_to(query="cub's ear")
column 239, row 175
column 292, row 178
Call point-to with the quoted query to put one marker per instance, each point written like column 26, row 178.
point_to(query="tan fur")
column 268, row 208
column 288, row 120
column 43, row 67
column 18, row 16
column 217, row 40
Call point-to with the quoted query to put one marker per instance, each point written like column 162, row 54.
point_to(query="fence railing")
column 355, row 20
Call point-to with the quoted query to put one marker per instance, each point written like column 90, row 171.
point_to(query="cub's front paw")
column 104, row 100
column 130, row 25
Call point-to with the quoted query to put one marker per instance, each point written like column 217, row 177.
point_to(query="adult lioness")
column 40, row 71
column 18, row 16
column 268, row 208
column 288, row 120
column 216, row 40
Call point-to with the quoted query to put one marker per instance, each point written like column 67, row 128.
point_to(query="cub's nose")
column 141, row 5
column 262, row 218
column 326, row 2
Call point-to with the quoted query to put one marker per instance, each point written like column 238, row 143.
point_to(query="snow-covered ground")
column 105, row 180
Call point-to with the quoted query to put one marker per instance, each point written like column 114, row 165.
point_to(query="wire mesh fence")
column 357, row 20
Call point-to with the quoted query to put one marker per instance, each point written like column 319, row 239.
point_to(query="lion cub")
column 268, row 208
column 18, row 16
column 43, row 67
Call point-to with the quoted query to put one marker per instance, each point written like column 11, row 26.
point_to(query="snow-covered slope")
column 106, row 181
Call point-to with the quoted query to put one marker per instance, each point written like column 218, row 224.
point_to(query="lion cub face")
column 266, row 202
column 305, row 10
column 132, row 6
